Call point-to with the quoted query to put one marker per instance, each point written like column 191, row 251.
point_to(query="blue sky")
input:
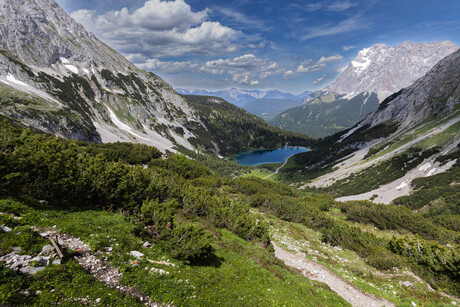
column 261, row 44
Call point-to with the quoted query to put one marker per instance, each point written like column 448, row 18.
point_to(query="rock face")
column 378, row 71
column 435, row 94
column 385, row 70
column 58, row 78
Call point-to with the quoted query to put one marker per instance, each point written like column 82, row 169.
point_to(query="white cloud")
column 346, row 48
column 243, row 20
column 160, row 28
column 288, row 74
column 261, row 45
column 168, row 67
column 347, row 25
column 319, row 79
column 337, row 6
column 341, row 6
column 342, row 69
column 310, row 65
column 245, row 69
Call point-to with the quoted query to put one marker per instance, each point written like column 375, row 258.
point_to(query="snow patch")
column 401, row 186
column 64, row 61
column 359, row 67
column 26, row 88
column 348, row 133
column 424, row 167
column 72, row 68
column 11, row 78
column 122, row 125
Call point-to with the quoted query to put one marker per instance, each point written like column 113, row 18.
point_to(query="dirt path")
column 99, row 268
column 320, row 273
column 277, row 170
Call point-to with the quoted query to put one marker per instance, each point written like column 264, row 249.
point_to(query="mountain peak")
column 385, row 69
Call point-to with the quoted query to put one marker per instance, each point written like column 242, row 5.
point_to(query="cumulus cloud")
column 310, row 65
column 319, row 79
column 289, row 74
column 245, row 69
column 160, row 28
column 168, row 66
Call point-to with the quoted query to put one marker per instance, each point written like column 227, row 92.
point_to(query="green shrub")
column 190, row 242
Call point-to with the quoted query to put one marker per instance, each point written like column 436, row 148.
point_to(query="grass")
column 349, row 266
column 239, row 274
column 442, row 138
column 400, row 140
column 260, row 173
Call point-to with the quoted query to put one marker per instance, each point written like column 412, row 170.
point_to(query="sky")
column 291, row 46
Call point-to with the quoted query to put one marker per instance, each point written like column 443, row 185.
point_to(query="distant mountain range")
column 240, row 97
column 374, row 74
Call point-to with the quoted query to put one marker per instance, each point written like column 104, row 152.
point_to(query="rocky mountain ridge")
column 436, row 94
column 88, row 91
column 58, row 78
column 386, row 69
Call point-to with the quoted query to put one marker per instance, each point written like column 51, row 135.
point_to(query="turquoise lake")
column 257, row 157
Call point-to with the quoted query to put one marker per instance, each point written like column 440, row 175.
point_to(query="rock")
column 41, row 260
column 413, row 304
column 47, row 249
column 56, row 262
column 146, row 244
column 6, row 228
column 31, row 269
column 406, row 283
column 136, row 254
column 25, row 293
column 44, row 234
column 16, row 249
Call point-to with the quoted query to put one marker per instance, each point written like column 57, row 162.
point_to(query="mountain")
column 240, row 97
column 268, row 108
column 327, row 114
column 413, row 134
column 375, row 72
column 58, row 78
column 385, row 69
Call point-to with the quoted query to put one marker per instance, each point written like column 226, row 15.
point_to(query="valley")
column 118, row 189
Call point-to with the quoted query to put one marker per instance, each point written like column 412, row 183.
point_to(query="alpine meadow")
column 206, row 153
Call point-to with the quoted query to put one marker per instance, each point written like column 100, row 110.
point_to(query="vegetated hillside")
column 199, row 242
column 268, row 108
column 60, row 79
column 232, row 130
column 327, row 114
column 402, row 140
